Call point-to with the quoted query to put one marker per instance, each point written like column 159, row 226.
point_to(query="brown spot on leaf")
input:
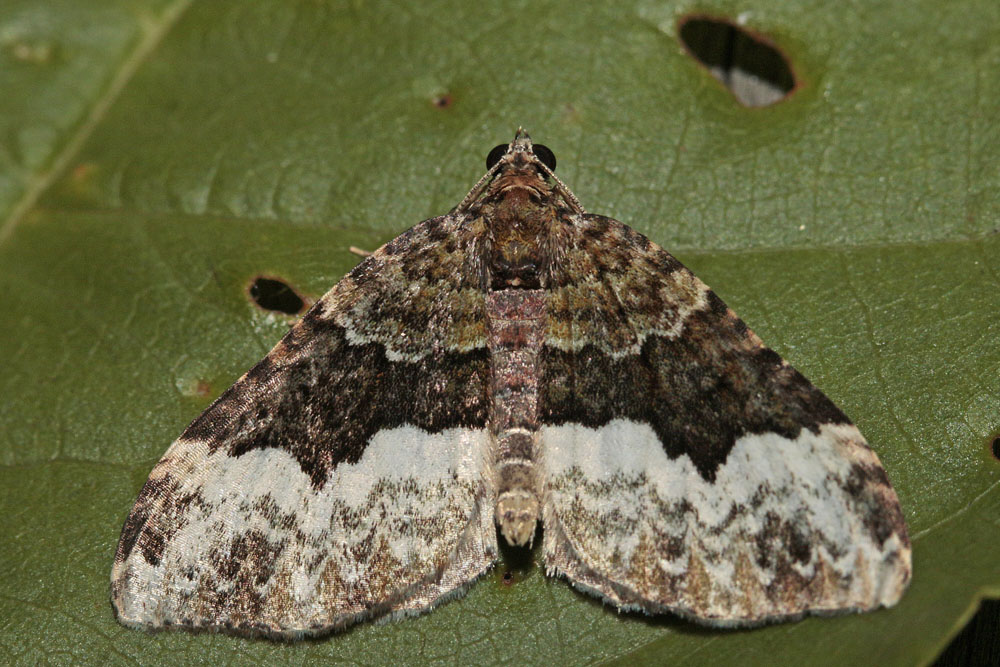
column 194, row 387
column 83, row 171
column 507, row 578
column 83, row 181
column 748, row 64
column 443, row 101
column 37, row 52
column 276, row 295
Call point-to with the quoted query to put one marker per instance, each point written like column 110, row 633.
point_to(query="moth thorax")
column 520, row 228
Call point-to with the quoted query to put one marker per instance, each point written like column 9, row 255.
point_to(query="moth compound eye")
column 495, row 155
column 547, row 157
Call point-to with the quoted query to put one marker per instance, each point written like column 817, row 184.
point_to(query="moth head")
column 521, row 151
column 520, row 164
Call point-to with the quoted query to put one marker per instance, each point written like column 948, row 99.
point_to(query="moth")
column 516, row 366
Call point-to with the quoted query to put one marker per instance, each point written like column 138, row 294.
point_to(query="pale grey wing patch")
column 250, row 545
column 788, row 527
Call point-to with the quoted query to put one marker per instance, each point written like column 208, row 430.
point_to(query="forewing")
column 688, row 468
column 340, row 478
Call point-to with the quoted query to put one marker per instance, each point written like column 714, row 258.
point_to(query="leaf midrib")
column 154, row 33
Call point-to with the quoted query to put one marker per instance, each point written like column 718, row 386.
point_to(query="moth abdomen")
column 516, row 329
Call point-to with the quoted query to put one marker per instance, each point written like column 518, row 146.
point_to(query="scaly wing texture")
column 302, row 500
column 688, row 468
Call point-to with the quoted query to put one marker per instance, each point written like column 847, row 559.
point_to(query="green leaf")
column 156, row 156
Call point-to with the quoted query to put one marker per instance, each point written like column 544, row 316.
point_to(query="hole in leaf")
column 977, row 643
column 443, row 101
column 753, row 70
column 518, row 562
column 995, row 448
column 275, row 294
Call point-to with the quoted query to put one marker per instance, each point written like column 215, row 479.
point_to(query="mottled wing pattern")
column 688, row 468
column 301, row 500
